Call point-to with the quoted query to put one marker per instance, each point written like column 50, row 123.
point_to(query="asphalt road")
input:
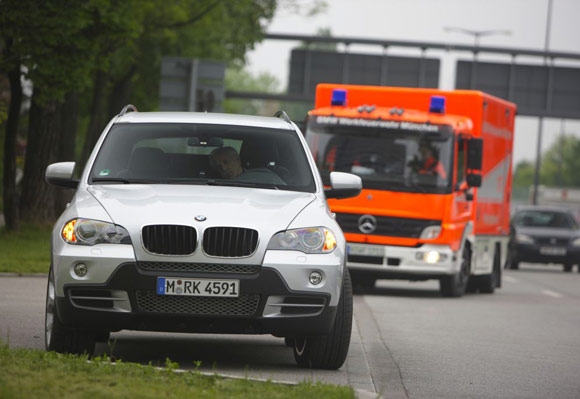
column 408, row 341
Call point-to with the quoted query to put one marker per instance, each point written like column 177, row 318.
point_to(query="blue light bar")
column 437, row 105
column 338, row 97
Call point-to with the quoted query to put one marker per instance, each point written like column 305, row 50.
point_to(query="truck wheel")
column 489, row 282
column 58, row 337
column 329, row 351
column 455, row 285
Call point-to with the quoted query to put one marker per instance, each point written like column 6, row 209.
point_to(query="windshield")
column 387, row 155
column 545, row 218
column 181, row 153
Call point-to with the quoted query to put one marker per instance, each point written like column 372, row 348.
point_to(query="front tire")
column 489, row 282
column 329, row 351
column 512, row 262
column 58, row 337
column 456, row 284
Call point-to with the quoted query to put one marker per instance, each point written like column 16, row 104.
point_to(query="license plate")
column 365, row 250
column 198, row 287
column 552, row 251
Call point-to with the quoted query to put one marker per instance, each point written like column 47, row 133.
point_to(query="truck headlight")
column 91, row 232
column 313, row 240
column 430, row 232
column 576, row 242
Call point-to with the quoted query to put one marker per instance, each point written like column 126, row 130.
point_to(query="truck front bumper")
column 409, row 263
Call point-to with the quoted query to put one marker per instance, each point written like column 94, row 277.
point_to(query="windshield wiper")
column 122, row 180
column 234, row 183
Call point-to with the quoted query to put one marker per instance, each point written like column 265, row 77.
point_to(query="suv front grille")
column 244, row 305
column 197, row 267
column 230, row 242
column 167, row 239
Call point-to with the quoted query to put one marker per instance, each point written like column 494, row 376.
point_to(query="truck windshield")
column 387, row 155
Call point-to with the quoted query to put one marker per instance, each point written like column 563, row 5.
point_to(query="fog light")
column 315, row 278
column 81, row 269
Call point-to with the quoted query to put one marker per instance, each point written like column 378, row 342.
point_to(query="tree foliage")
column 87, row 59
column 559, row 165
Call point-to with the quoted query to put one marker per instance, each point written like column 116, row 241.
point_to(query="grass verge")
column 28, row 373
column 25, row 251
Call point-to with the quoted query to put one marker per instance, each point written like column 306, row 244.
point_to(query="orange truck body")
column 455, row 230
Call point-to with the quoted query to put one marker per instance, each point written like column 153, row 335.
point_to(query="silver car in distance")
column 155, row 238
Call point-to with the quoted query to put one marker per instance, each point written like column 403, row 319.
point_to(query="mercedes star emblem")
column 367, row 224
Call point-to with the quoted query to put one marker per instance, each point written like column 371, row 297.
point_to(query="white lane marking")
column 552, row 294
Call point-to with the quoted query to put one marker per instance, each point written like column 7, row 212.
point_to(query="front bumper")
column 409, row 263
column 534, row 253
column 128, row 300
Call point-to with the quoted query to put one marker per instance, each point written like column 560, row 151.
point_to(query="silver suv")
column 199, row 222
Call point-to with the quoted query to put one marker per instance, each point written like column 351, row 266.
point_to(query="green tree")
column 559, row 166
column 88, row 59
column 322, row 46
column 560, row 163
column 523, row 175
column 239, row 79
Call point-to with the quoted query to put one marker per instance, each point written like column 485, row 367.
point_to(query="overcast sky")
column 426, row 20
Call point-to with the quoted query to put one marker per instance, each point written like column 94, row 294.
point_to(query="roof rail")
column 128, row 108
column 283, row 115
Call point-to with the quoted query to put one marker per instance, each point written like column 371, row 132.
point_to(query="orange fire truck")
column 436, row 171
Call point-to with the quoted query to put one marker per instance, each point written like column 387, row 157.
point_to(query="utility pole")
column 541, row 119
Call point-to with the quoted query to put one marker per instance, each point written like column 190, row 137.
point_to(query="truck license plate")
column 365, row 250
column 198, row 287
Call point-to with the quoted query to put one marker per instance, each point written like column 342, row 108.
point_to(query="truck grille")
column 167, row 239
column 387, row 226
column 229, row 242
column 244, row 305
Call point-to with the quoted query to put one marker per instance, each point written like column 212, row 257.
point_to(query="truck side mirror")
column 475, row 154
column 473, row 180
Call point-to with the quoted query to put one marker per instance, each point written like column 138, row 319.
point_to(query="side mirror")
column 343, row 185
column 60, row 174
column 474, row 154
column 473, row 180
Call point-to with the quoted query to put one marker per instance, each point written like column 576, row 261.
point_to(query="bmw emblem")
column 367, row 224
column 200, row 218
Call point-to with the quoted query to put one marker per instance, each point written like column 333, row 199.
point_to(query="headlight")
column 314, row 240
column 430, row 232
column 91, row 232
column 576, row 242
column 524, row 239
